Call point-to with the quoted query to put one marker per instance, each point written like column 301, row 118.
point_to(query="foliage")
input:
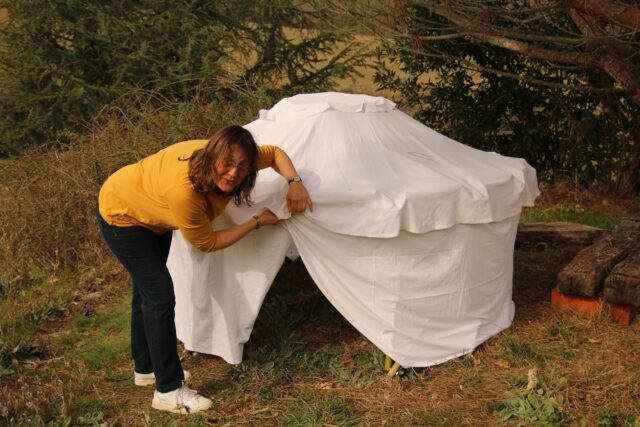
column 65, row 59
column 47, row 214
column 573, row 213
column 13, row 352
column 611, row 418
column 314, row 410
column 537, row 404
column 516, row 104
column 84, row 376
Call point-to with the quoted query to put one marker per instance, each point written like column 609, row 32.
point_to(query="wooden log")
column 586, row 273
column 626, row 234
column 622, row 286
column 532, row 234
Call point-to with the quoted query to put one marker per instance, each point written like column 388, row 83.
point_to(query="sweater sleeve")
column 190, row 212
column 267, row 154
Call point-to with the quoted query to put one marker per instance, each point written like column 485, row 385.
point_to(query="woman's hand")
column 268, row 218
column 298, row 198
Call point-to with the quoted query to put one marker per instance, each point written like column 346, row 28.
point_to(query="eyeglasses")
column 241, row 167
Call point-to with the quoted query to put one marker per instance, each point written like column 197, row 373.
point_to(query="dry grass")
column 335, row 377
column 64, row 305
column 49, row 194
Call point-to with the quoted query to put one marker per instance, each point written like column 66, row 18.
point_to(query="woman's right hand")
column 268, row 218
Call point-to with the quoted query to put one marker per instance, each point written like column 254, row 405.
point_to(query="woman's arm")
column 297, row 197
column 229, row 236
column 190, row 213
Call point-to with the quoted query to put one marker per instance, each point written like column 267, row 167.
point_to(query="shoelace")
column 183, row 392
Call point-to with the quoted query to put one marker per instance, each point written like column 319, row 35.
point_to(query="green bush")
column 65, row 59
column 48, row 195
column 466, row 89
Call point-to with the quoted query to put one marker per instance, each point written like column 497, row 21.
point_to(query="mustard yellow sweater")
column 156, row 193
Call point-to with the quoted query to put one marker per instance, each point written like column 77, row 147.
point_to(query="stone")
column 622, row 286
column 556, row 233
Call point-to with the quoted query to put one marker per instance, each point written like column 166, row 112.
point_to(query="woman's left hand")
column 298, row 198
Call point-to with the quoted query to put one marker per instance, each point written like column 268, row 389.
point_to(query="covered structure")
column 411, row 238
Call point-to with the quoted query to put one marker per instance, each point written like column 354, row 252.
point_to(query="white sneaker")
column 150, row 379
column 180, row 401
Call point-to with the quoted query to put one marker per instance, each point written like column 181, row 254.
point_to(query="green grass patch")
column 432, row 417
column 519, row 352
column 533, row 402
column 304, row 365
column 575, row 213
column 101, row 341
column 613, row 418
column 312, row 409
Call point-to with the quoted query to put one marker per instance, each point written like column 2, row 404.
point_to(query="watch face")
column 295, row 179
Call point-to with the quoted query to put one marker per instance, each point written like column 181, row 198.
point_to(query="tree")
column 64, row 59
column 554, row 81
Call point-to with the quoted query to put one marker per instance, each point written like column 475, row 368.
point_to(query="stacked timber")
column 540, row 235
column 610, row 266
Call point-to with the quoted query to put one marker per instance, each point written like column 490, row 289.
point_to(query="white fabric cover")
column 411, row 238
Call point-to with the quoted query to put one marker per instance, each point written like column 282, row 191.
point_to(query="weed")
column 569, row 333
column 611, row 418
column 520, row 351
column 66, row 422
column 13, row 353
column 52, row 309
column 569, row 336
column 375, row 359
column 317, row 410
column 536, row 404
column 434, row 418
column 328, row 359
column 354, row 377
column 285, row 345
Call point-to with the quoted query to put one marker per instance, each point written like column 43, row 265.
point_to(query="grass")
column 577, row 214
column 64, row 314
column 305, row 365
column 64, row 352
column 566, row 202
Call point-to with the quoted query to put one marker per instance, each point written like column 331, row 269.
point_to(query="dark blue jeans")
column 153, row 330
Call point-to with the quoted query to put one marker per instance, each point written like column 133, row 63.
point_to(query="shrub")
column 65, row 59
column 47, row 214
column 569, row 122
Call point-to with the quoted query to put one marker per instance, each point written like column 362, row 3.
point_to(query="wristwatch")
column 258, row 223
column 294, row 179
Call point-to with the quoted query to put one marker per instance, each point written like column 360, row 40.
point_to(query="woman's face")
column 232, row 170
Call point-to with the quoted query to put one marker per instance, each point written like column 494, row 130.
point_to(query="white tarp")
column 411, row 238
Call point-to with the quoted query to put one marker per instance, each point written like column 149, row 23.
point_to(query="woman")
column 184, row 187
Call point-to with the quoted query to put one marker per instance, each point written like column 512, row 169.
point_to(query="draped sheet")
column 411, row 238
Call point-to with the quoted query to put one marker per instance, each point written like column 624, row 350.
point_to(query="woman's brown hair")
column 202, row 163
